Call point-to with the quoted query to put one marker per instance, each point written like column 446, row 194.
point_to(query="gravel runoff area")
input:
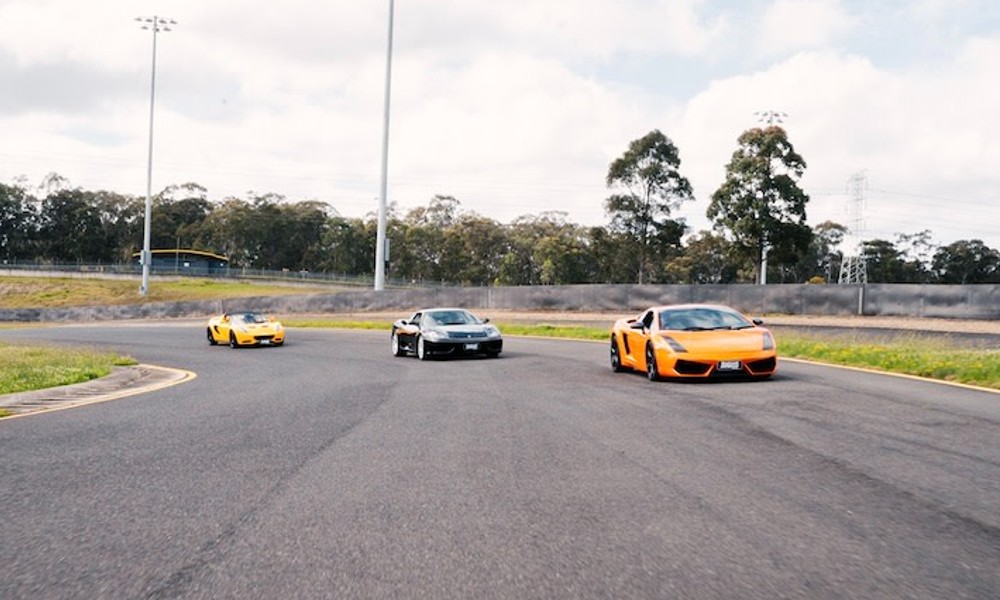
column 597, row 319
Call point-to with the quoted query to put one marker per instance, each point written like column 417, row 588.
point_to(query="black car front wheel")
column 421, row 349
column 211, row 338
column 232, row 340
column 397, row 348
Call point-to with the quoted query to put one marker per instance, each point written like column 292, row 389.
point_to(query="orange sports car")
column 693, row 341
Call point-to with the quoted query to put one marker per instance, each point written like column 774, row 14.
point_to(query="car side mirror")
column 638, row 326
column 486, row 320
column 758, row 321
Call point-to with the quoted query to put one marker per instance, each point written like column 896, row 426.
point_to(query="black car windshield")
column 702, row 319
column 449, row 317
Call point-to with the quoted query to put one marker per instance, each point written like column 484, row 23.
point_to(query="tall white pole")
column 155, row 24
column 380, row 239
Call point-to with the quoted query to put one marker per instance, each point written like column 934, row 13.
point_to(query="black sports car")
column 445, row 332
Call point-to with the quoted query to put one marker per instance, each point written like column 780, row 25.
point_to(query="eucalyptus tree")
column 347, row 246
column 18, row 222
column 647, row 186
column 885, row 263
column 473, row 249
column 121, row 217
column 823, row 258
column 760, row 204
column 417, row 249
column 179, row 212
column 70, row 228
column 967, row 261
column 707, row 258
column 546, row 249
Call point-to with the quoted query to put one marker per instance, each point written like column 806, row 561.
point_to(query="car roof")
column 691, row 306
column 442, row 308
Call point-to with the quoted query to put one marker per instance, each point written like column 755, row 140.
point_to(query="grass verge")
column 909, row 355
column 33, row 367
column 59, row 292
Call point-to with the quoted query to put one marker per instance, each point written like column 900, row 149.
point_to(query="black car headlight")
column 435, row 335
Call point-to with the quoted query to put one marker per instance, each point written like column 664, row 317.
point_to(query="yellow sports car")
column 693, row 341
column 245, row 328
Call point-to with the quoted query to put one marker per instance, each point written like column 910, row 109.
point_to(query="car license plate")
column 265, row 342
column 472, row 346
column 730, row 365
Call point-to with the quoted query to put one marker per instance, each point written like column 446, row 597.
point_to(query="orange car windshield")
column 701, row 319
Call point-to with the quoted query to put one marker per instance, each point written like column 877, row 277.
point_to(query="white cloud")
column 513, row 108
column 793, row 25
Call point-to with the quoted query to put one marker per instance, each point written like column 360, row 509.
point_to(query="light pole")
column 770, row 116
column 155, row 24
column 380, row 241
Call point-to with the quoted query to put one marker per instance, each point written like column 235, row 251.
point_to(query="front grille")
column 686, row 367
column 261, row 338
column 464, row 335
column 762, row 366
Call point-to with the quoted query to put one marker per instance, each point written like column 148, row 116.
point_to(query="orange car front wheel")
column 652, row 371
column 616, row 357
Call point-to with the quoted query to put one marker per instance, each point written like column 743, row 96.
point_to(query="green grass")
column 31, row 367
column 59, row 292
column 333, row 323
column 912, row 355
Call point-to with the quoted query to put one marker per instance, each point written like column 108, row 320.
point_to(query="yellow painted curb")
column 179, row 376
column 967, row 386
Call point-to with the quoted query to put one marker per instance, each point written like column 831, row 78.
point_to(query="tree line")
column 758, row 213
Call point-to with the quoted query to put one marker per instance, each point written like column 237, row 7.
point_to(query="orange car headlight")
column 768, row 341
column 674, row 344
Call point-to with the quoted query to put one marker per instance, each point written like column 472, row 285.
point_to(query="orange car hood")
column 719, row 339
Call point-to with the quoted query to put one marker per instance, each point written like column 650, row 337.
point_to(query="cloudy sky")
column 514, row 107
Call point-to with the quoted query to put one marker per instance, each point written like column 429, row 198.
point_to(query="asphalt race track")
column 329, row 469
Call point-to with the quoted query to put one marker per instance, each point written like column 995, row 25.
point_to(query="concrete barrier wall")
column 938, row 301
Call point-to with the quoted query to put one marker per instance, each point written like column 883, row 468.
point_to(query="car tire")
column 232, row 340
column 421, row 349
column 652, row 372
column 397, row 348
column 211, row 338
column 615, row 355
